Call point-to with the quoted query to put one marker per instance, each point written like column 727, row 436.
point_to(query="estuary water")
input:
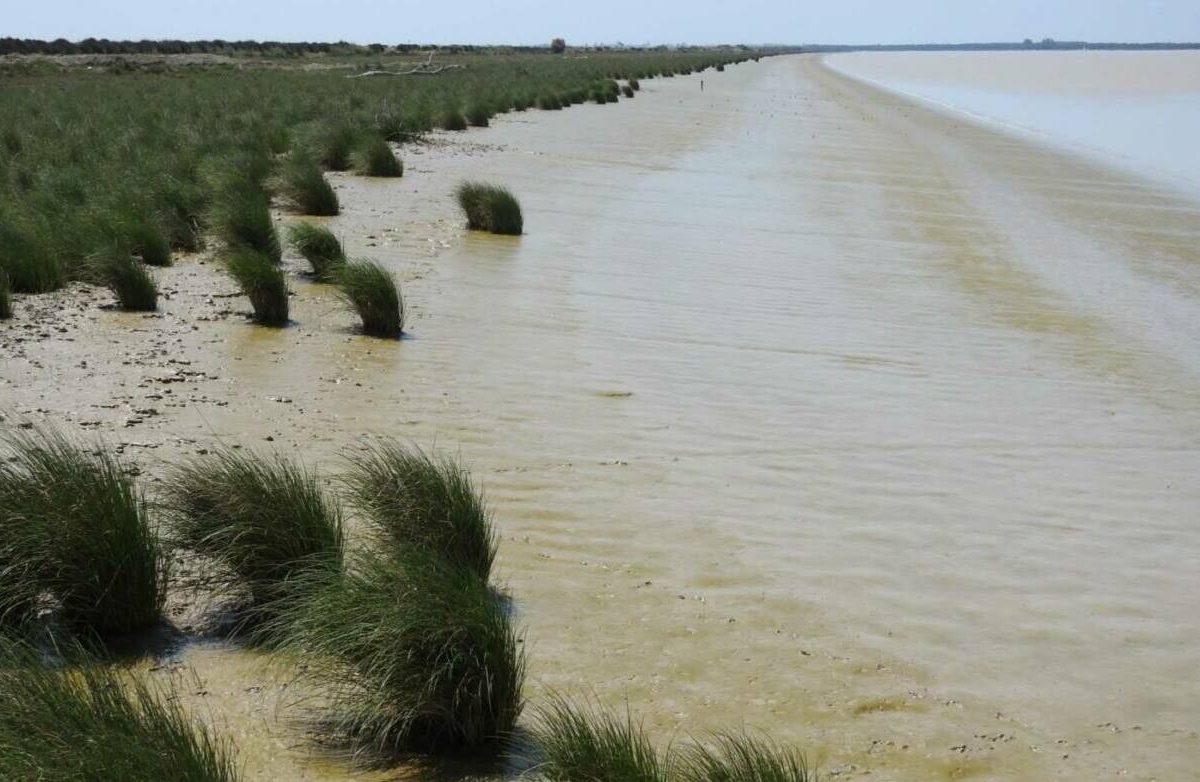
column 801, row 404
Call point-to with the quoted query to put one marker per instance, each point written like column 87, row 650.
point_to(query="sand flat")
column 801, row 405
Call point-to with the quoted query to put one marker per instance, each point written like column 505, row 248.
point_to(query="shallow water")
column 1138, row 110
column 800, row 405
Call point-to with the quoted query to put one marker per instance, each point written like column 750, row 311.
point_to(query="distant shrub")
column 261, row 281
column 558, row 46
column 490, row 208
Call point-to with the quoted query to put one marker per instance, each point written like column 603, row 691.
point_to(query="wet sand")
column 800, row 406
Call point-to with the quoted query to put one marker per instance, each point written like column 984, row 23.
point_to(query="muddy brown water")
column 800, row 406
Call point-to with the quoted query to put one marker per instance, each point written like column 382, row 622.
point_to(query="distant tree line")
column 284, row 48
column 1046, row 44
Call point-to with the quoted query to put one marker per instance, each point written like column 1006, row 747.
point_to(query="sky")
column 612, row 21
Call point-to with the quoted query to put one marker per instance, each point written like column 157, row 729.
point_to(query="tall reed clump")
column 578, row 743
column 80, row 721
column 478, row 114
column 453, row 119
column 306, row 187
column 6, row 308
column 734, row 757
column 627, row 91
column 490, row 208
column 375, row 158
column 418, row 656
column 420, row 501
column 334, row 146
column 635, row 85
column 128, row 278
column 29, row 259
column 241, row 215
column 79, row 532
column 372, row 292
column 320, row 248
column 132, row 228
column 262, row 282
column 264, row 521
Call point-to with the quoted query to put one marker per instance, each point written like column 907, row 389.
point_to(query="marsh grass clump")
column 635, row 85
column 627, row 91
column 422, row 501
column 265, row 522
column 375, row 158
column 320, row 248
column 306, row 187
column 128, row 278
column 241, row 216
column 262, row 282
column 78, row 720
column 28, row 257
column 140, row 233
column 478, row 114
column 453, row 119
column 79, row 531
column 490, row 208
column 334, row 145
column 6, row 308
column 590, row 744
column 417, row 656
column 372, row 291
column 740, row 757
column 549, row 103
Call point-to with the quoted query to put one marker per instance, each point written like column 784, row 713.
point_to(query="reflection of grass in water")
column 82, row 721
column 877, row 705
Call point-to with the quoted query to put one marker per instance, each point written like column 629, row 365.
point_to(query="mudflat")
column 800, row 405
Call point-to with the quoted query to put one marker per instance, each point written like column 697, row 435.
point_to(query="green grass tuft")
column 6, row 307
column 127, row 277
column 627, row 91
column 377, row 159
column 262, row 282
column 453, row 119
column 320, row 248
column 478, row 115
column 263, row 520
column 418, row 656
column 28, row 256
column 306, row 187
column 740, row 757
column 334, row 145
column 80, row 721
column 421, row 501
column 372, row 291
column 590, row 744
column 79, row 532
column 490, row 208
column 241, row 216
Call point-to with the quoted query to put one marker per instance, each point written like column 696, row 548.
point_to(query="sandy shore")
column 800, row 407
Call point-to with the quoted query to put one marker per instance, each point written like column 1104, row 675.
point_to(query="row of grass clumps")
column 74, row 719
column 413, row 649
column 586, row 743
column 130, row 161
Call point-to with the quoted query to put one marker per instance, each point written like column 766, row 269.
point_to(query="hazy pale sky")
column 628, row 21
